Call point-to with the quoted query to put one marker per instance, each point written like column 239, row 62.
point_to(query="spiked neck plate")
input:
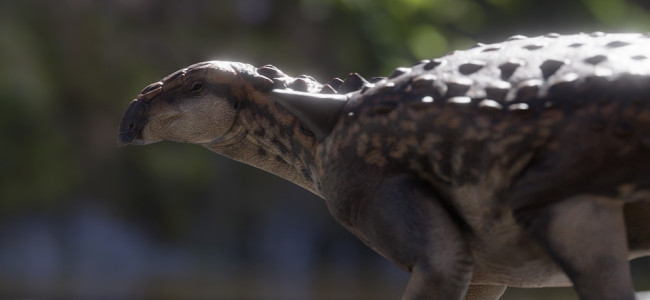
column 318, row 112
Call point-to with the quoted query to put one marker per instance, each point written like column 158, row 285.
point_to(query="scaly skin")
column 524, row 163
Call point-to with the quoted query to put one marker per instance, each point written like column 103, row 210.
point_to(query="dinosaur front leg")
column 406, row 222
column 586, row 236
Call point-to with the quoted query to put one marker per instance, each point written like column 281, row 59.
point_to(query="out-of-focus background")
column 83, row 219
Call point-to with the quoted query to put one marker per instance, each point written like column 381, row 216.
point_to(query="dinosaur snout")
column 132, row 123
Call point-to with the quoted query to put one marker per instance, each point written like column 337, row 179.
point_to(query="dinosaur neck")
column 268, row 137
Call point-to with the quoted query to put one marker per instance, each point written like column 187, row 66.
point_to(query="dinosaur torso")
column 564, row 115
column 491, row 166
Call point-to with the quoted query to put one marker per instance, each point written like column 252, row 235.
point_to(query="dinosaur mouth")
column 132, row 123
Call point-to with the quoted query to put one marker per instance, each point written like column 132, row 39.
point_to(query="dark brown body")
column 499, row 172
column 490, row 164
column 524, row 163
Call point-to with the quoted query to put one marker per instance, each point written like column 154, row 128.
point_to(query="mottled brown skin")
column 524, row 163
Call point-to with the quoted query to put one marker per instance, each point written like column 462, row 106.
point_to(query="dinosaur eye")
column 197, row 86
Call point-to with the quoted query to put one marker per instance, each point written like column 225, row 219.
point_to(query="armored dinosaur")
column 524, row 163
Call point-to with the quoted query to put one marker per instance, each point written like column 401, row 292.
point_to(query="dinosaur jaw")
column 134, row 119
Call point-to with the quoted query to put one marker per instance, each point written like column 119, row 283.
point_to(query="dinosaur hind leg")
column 586, row 237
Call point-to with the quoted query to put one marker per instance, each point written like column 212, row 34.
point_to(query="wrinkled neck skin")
column 268, row 137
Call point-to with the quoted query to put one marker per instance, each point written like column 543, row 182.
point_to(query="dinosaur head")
column 197, row 104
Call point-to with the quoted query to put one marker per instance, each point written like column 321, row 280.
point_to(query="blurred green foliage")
column 69, row 68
